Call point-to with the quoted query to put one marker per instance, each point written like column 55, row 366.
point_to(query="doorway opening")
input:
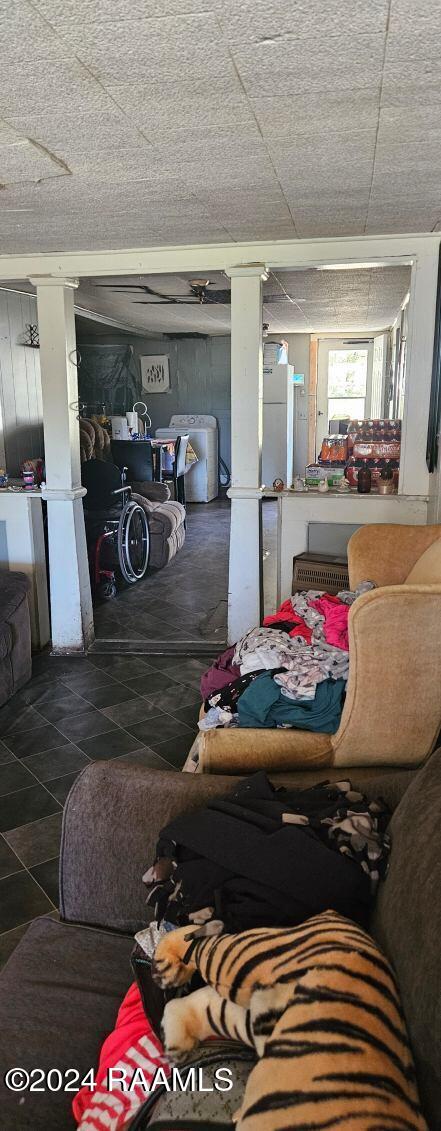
column 154, row 372
column 344, row 387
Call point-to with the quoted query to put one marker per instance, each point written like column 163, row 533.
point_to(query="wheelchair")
column 117, row 532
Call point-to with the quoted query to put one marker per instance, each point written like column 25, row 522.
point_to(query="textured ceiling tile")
column 412, row 84
column 8, row 135
column 414, row 30
column 60, row 12
column 308, row 227
column 22, row 161
column 25, row 36
column 280, row 21
column 71, row 128
column 163, row 101
column 158, row 48
column 315, row 115
column 410, row 123
column 418, row 222
column 196, row 145
column 23, row 87
column 165, row 112
column 351, row 149
column 328, row 64
column 245, row 135
column 413, row 43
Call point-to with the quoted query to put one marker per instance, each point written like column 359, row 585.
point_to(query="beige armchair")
column 392, row 712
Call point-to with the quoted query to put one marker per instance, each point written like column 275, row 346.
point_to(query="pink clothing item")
column 222, row 672
column 335, row 626
column 286, row 614
column 132, row 1044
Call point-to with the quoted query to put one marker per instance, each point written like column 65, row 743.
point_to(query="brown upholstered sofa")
column 15, row 633
column 60, row 990
column 392, row 712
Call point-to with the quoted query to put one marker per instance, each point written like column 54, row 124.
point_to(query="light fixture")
column 350, row 266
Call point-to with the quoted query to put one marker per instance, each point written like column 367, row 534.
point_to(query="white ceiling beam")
column 114, row 323
column 219, row 257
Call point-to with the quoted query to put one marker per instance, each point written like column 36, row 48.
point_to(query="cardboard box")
column 315, row 473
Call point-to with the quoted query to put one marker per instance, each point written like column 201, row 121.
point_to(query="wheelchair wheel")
column 133, row 542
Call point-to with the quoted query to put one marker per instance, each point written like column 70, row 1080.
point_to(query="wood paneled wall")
column 21, row 424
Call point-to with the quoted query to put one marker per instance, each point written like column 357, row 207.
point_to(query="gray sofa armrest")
column 112, row 819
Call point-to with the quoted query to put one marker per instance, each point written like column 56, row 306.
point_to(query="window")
column 347, row 383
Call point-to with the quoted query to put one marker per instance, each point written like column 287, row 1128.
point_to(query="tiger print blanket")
column 320, row 1004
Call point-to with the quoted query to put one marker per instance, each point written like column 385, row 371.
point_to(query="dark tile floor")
column 187, row 601
column 72, row 712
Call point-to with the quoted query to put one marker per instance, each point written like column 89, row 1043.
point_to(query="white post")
column 245, row 576
column 70, row 597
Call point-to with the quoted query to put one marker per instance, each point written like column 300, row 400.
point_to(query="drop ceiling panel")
column 60, row 12
column 23, row 30
column 315, row 115
column 325, row 64
column 280, row 21
column 158, row 50
column 268, row 119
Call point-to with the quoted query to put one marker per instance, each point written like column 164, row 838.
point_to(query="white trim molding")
column 192, row 257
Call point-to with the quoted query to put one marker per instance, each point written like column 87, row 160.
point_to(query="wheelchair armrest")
column 122, row 491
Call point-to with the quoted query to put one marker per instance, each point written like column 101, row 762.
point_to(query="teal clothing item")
column 263, row 704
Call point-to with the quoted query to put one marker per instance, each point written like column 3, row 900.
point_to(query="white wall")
column 21, row 424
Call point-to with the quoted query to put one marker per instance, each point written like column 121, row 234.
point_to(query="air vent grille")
column 315, row 572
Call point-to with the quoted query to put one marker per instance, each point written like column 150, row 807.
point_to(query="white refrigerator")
column 278, row 424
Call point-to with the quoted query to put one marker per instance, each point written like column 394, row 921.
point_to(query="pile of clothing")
column 291, row 672
column 265, row 856
column 260, row 856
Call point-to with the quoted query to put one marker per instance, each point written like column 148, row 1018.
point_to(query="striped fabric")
column 131, row 1055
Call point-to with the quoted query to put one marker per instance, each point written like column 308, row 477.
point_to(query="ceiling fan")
column 199, row 294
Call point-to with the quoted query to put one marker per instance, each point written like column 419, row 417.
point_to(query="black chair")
column 177, row 475
column 137, row 457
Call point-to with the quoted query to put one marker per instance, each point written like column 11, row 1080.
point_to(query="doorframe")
column 417, row 249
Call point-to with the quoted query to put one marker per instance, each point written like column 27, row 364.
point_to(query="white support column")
column 70, row 597
column 245, row 576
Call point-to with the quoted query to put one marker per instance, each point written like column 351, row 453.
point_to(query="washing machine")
column 202, row 481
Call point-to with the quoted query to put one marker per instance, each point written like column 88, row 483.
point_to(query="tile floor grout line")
column 25, row 866
column 34, row 879
column 37, row 821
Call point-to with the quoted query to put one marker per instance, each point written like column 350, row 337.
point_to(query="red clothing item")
column 221, row 673
column 286, row 613
column 336, row 614
column 132, row 1044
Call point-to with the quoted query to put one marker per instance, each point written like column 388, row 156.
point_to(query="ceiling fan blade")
column 221, row 297
column 277, row 298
